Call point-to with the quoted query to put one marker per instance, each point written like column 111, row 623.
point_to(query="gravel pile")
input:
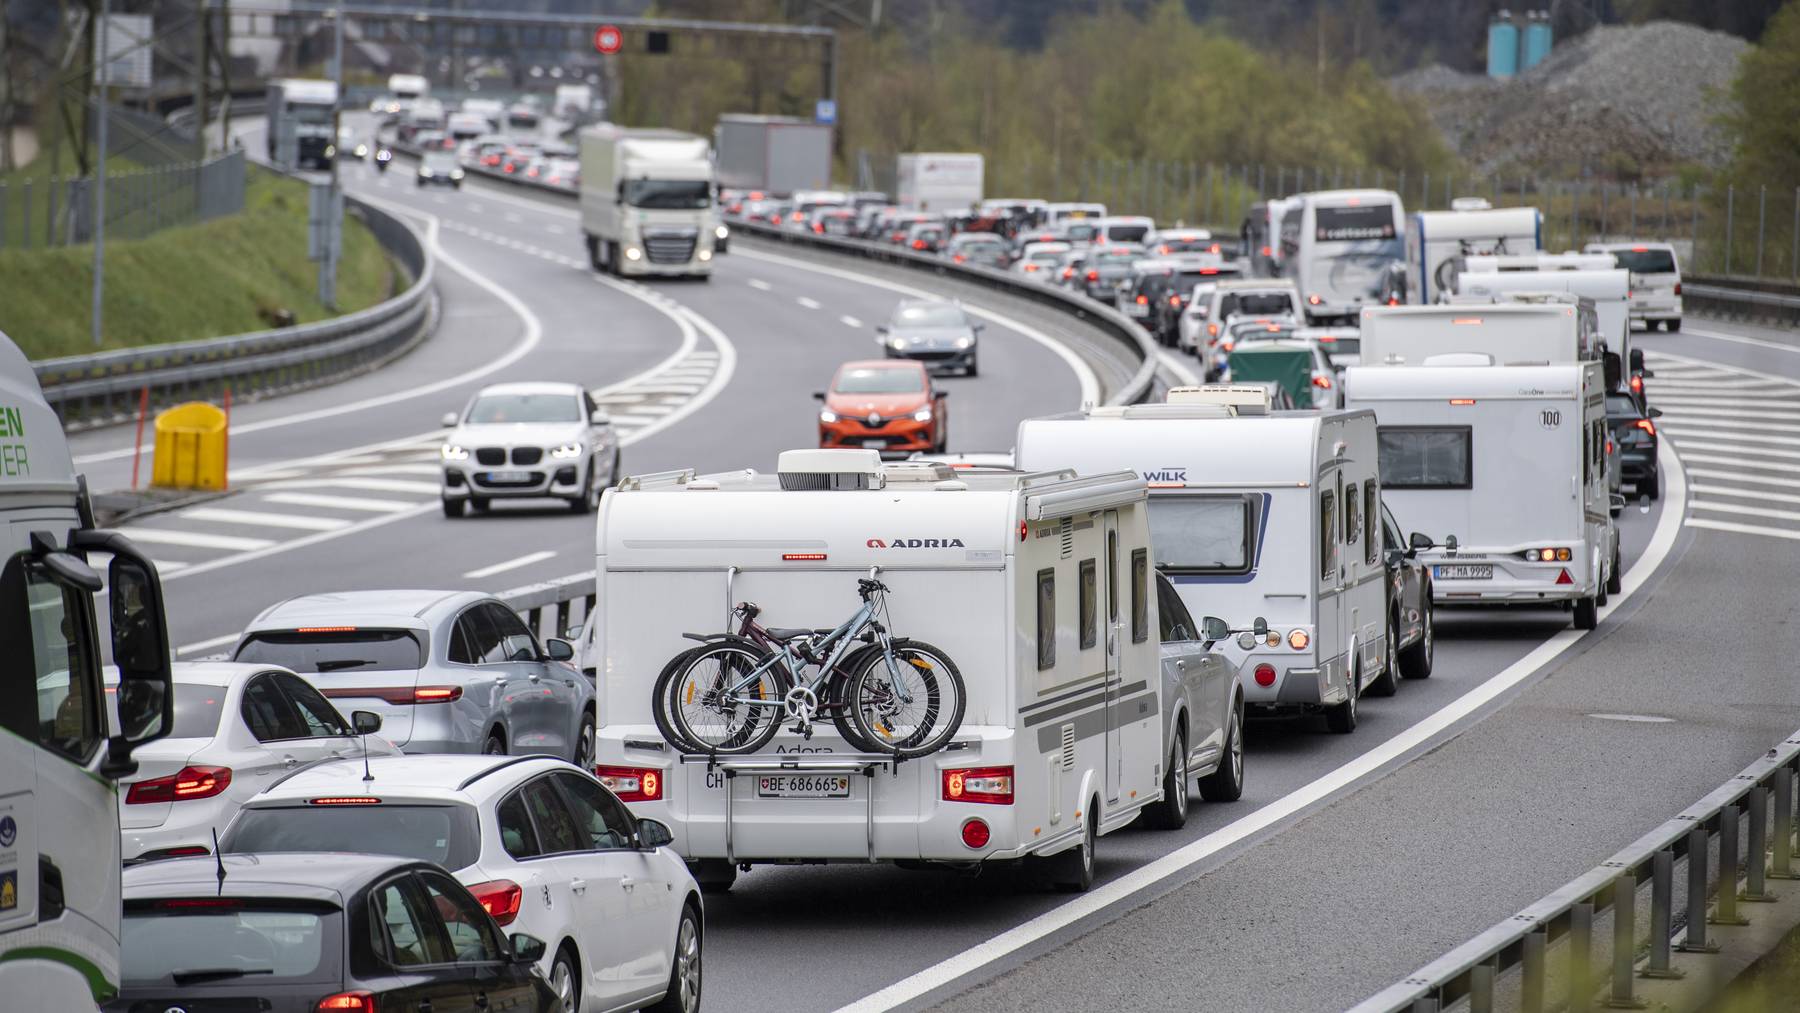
column 1615, row 100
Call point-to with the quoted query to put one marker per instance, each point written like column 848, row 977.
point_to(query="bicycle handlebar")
column 866, row 587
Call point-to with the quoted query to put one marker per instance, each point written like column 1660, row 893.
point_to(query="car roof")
column 205, row 673
column 438, row 777
column 398, row 608
column 531, row 387
column 311, row 875
column 895, row 364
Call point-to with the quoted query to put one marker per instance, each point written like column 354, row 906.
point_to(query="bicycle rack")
column 844, row 763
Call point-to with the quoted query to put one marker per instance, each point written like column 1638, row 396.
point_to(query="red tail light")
column 1031, row 267
column 1393, row 300
column 183, row 785
column 1143, row 300
column 1678, row 288
column 1175, row 301
column 632, row 784
column 1215, row 247
column 362, row 1002
column 510, row 166
column 958, row 258
column 1093, row 276
column 1646, row 425
column 532, row 172
column 1265, row 251
column 918, row 244
column 1313, row 300
column 399, row 696
column 1265, row 674
column 1637, row 384
column 1609, row 446
column 993, row 785
column 1322, row 381
column 500, row 897
column 819, row 227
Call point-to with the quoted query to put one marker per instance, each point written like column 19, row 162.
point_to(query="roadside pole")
column 104, row 60
column 332, row 242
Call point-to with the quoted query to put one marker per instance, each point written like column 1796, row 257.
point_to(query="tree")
column 1764, row 117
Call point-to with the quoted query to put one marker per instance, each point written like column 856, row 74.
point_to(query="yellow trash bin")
column 190, row 448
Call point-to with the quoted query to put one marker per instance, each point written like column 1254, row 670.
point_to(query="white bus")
column 1337, row 246
column 1437, row 242
column 64, row 751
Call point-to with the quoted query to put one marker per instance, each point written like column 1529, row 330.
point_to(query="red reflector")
column 1563, row 577
column 344, row 800
column 803, row 556
column 1265, row 675
column 186, row 783
column 363, row 1002
column 1022, row 531
column 500, row 897
column 975, row 834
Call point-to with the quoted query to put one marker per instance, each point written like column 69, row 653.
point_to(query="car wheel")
column 495, row 744
column 586, row 501
column 1652, row 487
column 612, row 477
column 565, row 982
column 1388, row 682
column 593, row 248
column 1415, row 661
column 1671, row 325
column 715, row 875
column 1074, row 868
column 973, row 369
column 1226, row 784
column 1171, row 813
column 1341, row 719
column 584, row 742
column 1615, row 584
column 453, row 508
column 1587, row 614
column 684, row 971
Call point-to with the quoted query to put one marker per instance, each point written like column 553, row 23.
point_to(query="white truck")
column 572, row 102
column 66, row 744
column 1437, row 242
column 1085, row 674
column 302, row 123
column 939, row 181
column 647, row 201
column 1280, row 510
column 774, row 154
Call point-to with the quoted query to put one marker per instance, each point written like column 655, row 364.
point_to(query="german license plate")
column 1137, row 309
column 803, row 786
column 509, row 476
column 1463, row 571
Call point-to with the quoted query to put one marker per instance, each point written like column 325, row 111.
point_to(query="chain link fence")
column 60, row 211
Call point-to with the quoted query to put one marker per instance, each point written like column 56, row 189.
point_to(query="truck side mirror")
column 140, row 649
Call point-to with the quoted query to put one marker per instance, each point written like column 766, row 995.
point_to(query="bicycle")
column 733, row 694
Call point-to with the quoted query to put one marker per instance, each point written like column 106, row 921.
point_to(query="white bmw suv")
column 545, row 847
column 528, row 441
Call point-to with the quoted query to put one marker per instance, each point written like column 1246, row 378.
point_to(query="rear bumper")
column 939, row 362
column 1513, row 582
column 1655, row 309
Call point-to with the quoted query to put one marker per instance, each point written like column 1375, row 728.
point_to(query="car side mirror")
column 1212, row 629
column 527, row 949
column 818, row 395
column 1655, row 413
column 654, row 834
column 600, row 418
column 573, row 633
column 365, row 722
column 977, row 328
column 1648, row 374
column 558, row 650
column 448, row 421
column 1419, row 540
column 939, row 395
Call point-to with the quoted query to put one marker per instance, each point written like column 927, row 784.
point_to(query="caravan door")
column 1331, row 633
column 1115, row 759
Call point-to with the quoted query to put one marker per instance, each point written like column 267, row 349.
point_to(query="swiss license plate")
column 1137, row 309
column 803, row 786
column 509, row 476
column 1463, row 571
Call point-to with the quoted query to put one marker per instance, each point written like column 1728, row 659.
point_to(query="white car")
column 547, row 849
column 528, row 440
column 237, row 728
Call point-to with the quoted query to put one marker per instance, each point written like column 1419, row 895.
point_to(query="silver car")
column 528, row 440
column 937, row 333
column 447, row 671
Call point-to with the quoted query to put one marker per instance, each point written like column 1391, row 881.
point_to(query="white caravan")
column 1506, row 463
column 1522, row 331
column 1568, row 260
column 1609, row 290
column 1337, row 246
column 59, row 759
column 1275, row 514
column 1437, row 241
column 1039, row 587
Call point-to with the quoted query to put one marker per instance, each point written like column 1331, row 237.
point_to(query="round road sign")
column 608, row 39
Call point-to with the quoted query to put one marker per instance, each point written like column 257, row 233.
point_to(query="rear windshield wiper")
column 335, row 664
column 191, row 975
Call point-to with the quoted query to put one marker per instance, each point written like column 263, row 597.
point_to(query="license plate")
column 803, row 786
column 1137, row 310
column 875, row 444
column 509, row 476
column 1463, row 571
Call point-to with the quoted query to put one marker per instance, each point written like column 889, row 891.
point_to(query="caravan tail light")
column 1462, row 400
column 975, row 834
column 1212, row 330
column 1265, row 674
column 1321, row 381
column 1556, row 555
column 993, row 785
column 500, row 898
column 632, row 784
column 1313, row 300
column 181, row 786
column 1299, row 639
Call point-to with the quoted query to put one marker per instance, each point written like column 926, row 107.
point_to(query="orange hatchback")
column 883, row 405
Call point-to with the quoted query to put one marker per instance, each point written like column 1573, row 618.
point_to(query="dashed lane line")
column 510, row 564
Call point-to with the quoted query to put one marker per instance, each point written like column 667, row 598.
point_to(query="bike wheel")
column 708, row 708
column 912, row 709
column 837, row 695
column 664, row 701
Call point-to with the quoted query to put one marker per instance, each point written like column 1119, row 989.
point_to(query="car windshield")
column 448, row 835
column 1259, row 303
column 1080, row 233
column 335, row 650
column 930, row 316
column 876, row 380
column 206, row 940
column 1246, row 333
column 1210, row 533
column 1354, row 275
column 668, row 194
column 1646, row 261
column 494, row 409
column 439, row 160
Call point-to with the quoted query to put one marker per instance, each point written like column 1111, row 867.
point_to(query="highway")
column 1340, row 870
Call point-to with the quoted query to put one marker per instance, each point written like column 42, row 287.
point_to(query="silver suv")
column 448, row 671
column 528, row 440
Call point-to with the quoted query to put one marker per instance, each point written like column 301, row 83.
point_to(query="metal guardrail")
column 107, row 387
column 555, row 599
column 1742, row 299
column 1743, row 821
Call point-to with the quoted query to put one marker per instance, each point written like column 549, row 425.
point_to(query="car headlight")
column 897, row 344
column 965, row 342
column 923, row 414
column 424, row 171
column 633, row 253
column 456, row 174
column 827, row 415
column 452, row 452
column 566, row 451
column 705, row 255
column 722, row 232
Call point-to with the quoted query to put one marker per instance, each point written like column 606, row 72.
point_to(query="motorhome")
column 1568, row 260
column 1504, row 464
column 302, row 121
column 68, row 741
column 647, row 201
column 1608, row 289
column 1252, row 510
column 1438, row 241
column 408, row 87
column 1523, row 330
column 1080, row 682
column 1337, row 245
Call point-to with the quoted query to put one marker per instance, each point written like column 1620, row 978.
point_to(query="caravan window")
column 1328, row 543
column 1202, row 534
column 1090, row 606
column 1371, row 507
column 1046, row 619
column 1426, row 457
column 1140, row 588
column 1352, row 522
column 1112, row 576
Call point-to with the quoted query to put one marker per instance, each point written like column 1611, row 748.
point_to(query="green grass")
column 226, row 276
column 1770, row 984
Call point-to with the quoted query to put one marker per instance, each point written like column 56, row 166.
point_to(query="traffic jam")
column 894, row 647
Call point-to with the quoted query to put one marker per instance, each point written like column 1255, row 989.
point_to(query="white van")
column 1041, row 589
column 1127, row 229
column 1437, row 240
column 1260, row 297
column 1655, row 281
column 1506, row 463
column 1058, row 212
column 1252, row 511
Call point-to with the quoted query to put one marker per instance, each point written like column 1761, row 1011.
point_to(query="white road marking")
column 474, row 206
column 1741, row 340
column 1734, row 508
column 371, row 484
column 1726, row 490
column 1289, row 806
column 194, row 539
column 201, row 645
column 811, row 304
column 850, row 321
column 558, row 230
column 1700, row 408
column 374, row 506
column 511, row 564
column 513, row 218
column 1702, row 444
column 761, row 285
column 1677, row 429
column 1743, row 529
column 222, row 515
column 397, row 468
column 1740, row 476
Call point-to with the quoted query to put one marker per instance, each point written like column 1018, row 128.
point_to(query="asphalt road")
column 1313, row 911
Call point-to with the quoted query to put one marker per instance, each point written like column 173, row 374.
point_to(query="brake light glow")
column 1646, row 425
column 1326, row 339
column 326, row 629
column 632, row 784
column 1314, row 300
column 437, row 694
column 1209, row 270
column 1093, row 276
column 1476, row 321
column 1215, row 247
column 1462, row 400
column 975, row 834
column 917, row 244
column 957, row 257
column 1265, row 251
column 183, row 785
column 819, row 227
column 1175, row 301
column 1393, row 300
column 993, row 785
column 1298, row 640
column 398, row 696
column 1212, row 330
column 344, row 800
column 1143, row 300
column 1640, row 249
column 1637, row 383
column 181, row 903
column 500, row 897
column 1265, row 674
column 1321, row 381
column 364, row 1002
column 802, row 557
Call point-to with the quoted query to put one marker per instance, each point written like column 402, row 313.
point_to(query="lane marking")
column 1768, row 513
column 1726, row 490
column 850, row 321
column 511, row 564
column 1289, row 806
column 1743, row 529
column 374, row 506
column 1742, row 476
column 761, row 285
column 1085, row 376
column 1703, row 444
column 1741, row 340
column 351, row 482
column 1709, row 408
column 194, row 539
column 1676, row 429
column 201, row 645
column 811, row 304
column 222, row 515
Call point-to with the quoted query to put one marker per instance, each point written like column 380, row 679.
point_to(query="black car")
column 1634, row 437
column 1409, row 598
column 292, row 933
column 439, row 168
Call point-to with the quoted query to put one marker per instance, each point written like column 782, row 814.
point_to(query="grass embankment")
column 1771, row 985
column 226, row 276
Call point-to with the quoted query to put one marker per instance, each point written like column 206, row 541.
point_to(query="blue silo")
column 1503, row 46
column 1537, row 40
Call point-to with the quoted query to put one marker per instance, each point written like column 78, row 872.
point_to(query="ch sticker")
column 9, row 889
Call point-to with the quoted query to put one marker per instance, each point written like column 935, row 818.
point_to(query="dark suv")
column 1634, row 437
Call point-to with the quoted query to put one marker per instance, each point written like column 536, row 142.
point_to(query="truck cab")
column 647, row 202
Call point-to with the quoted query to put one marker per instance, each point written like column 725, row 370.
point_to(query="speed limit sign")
column 608, row 39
